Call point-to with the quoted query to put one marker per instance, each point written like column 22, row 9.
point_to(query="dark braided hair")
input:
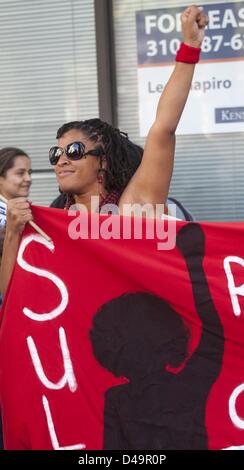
column 122, row 155
column 8, row 156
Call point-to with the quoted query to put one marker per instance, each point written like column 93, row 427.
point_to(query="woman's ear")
column 102, row 152
column 98, row 152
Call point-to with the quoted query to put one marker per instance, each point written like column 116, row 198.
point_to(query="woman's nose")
column 63, row 160
column 27, row 177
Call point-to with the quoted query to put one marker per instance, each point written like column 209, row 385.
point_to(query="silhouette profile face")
column 137, row 334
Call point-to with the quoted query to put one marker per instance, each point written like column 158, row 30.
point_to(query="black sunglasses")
column 73, row 151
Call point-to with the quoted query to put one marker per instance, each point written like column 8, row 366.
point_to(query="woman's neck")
column 89, row 200
column 4, row 194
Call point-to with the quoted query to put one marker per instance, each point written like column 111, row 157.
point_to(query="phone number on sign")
column 210, row 44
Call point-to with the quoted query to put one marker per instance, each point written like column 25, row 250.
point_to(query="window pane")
column 48, row 77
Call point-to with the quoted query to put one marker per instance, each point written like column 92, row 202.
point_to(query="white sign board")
column 216, row 100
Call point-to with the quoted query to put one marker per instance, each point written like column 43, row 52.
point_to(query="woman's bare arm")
column 150, row 184
column 18, row 214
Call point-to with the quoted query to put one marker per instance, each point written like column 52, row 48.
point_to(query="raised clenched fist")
column 193, row 21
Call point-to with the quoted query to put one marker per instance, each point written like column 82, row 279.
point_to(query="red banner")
column 116, row 344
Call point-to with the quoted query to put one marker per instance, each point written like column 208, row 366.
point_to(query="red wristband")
column 188, row 54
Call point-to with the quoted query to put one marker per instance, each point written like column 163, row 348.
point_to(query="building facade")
column 64, row 60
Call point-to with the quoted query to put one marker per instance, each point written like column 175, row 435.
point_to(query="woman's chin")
column 65, row 188
column 21, row 194
column 24, row 194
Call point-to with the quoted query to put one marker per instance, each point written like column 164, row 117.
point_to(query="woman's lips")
column 64, row 173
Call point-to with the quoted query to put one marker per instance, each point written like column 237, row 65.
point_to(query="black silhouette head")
column 137, row 334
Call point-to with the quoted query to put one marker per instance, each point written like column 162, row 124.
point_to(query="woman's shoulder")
column 60, row 201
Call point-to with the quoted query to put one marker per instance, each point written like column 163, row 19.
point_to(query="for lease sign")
column 216, row 101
